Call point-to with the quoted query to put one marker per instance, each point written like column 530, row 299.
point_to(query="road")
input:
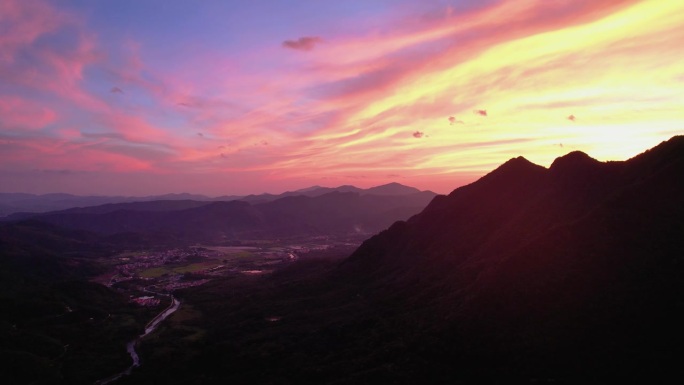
column 130, row 347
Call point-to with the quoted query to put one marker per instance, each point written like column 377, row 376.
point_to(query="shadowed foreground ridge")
column 574, row 271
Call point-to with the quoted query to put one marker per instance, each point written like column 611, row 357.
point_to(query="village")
column 149, row 276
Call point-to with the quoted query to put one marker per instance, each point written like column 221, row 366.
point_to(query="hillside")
column 55, row 326
column 579, row 266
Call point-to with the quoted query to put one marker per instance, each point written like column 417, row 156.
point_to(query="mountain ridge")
column 26, row 204
column 580, row 265
column 334, row 213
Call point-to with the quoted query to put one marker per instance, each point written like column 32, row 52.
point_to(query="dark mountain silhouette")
column 334, row 213
column 574, row 270
column 51, row 313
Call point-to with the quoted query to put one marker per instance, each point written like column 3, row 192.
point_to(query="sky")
column 143, row 97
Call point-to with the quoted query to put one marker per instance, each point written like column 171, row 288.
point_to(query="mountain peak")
column 307, row 189
column 391, row 184
column 515, row 166
column 515, row 171
column 393, row 188
column 574, row 157
column 518, row 161
column 573, row 161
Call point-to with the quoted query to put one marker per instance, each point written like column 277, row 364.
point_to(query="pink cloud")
column 94, row 159
column 18, row 113
column 136, row 129
column 23, row 22
column 55, row 153
column 381, row 62
column 56, row 71
column 306, row 110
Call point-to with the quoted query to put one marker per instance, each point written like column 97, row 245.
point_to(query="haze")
column 217, row 97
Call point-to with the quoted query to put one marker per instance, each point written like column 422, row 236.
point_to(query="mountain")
column 25, row 205
column 391, row 189
column 56, row 327
column 334, row 213
column 576, row 270
column 315, row 191
column 28, row 204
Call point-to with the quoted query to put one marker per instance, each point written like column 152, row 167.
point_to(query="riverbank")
column 130, row 347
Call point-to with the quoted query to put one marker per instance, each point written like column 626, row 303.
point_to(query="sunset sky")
column 235, row 97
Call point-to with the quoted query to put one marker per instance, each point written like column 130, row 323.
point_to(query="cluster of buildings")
column 146, row 301
column 141, row 262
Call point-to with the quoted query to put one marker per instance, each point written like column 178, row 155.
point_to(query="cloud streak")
column 341, row 108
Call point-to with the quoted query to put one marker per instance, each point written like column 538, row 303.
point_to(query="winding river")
column 130, row 347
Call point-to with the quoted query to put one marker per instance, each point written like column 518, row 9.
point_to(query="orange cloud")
column 347, row 106
column 579, row 54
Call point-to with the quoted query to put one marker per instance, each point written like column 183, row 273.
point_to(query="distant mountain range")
column 313, row 212
column 31, row 203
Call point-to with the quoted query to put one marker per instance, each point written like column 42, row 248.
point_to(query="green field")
column 158, row 271
column 236, row 252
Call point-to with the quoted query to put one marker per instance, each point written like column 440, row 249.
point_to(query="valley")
column 148, row 278
column 563, row 274
column 144, row 275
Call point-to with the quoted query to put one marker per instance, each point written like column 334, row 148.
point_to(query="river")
column 130, row 347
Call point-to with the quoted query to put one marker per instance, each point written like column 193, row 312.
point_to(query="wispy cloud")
column 348, row 105
column 18, row 113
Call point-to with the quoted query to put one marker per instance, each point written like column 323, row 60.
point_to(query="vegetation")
column 191, row 268
column 55, row 327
